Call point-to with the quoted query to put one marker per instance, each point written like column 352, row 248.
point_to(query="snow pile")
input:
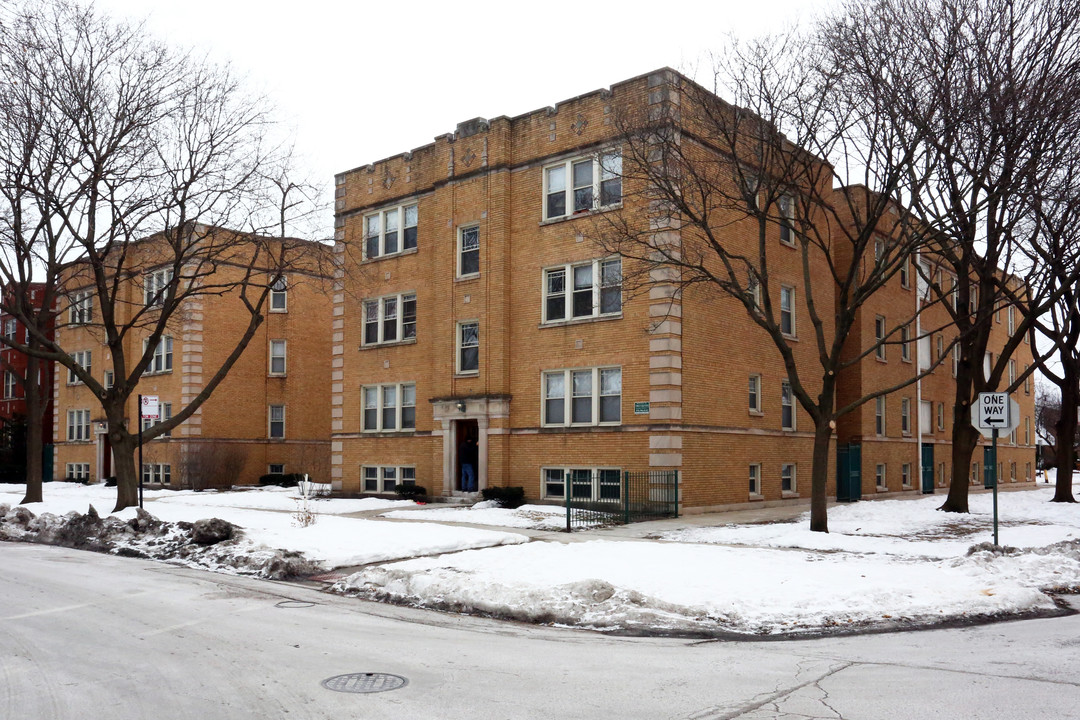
column 532, row 517
column 695, row 588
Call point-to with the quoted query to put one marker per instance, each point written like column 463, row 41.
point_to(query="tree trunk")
column 964, row 441
column 1065, row 430
column 819, row 518
column 124, row 448
column 35, row 408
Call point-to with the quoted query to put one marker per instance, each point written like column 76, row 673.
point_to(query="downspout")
column 918, row 371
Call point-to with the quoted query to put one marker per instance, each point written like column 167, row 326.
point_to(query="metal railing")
column 600, row 498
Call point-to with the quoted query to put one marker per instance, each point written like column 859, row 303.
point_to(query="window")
column 1027, row 431
column 941, row 416
column 277, row 422
column 755, row 479
column 787, row 478
column 755, row 394
column 469, row 251
column 78, row 425
column 787, row 406
column 1012, row 471
column 78, row 471
column 389, row 408
column 10, row 382
column 165, row 413
column 926, row 416
column 879, row 337
column 879, row 415
column 598, row 484
column 1012, row 322
column 279, row 296
column 974, row 473
column 1012, row 370
column 468, row 355
column 787, row 310
column 161, row 360
column 82, row 358
column 596, row 291
column 940, row 347
column 155, row 287
column 941, row 474
column 157, row 473
column 277, row 357
column 879, row 250
column 1027, row 472
column 905, row 275
column 905, row 416
column 905, row 475
column 582, row 184
column 595, row 396
column 390, row 319
column 905, row 344
column 9, row 328
column 1027, row 381
column 80, row 312
column 108, row 379
column 384, row 478
column 276, row 469
column 390, row 231
column 786, row 206
column 879, row 476
column 956, row 359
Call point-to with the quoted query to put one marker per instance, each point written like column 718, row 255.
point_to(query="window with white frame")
column 469, row 251
column 940, row 347
column 157, row 473
column 1027, row 381
column 1012, row 471
column 955, row 359
column 390, row 231
column 155, row 286
column 926, row 416
column 9, row 328
column 755, row 478
column 164, row 413
column 941, row 474
column 905, row 275
column 276, row 469
column 390, row 319
column 905, row 475
column 786, row 207
column 905, row 344
column 787, row 310
column 1027, row 471
column 277, row 422
column 594, row 288
column 468, row 347
column 1012, row 371
column 905, row 416
column 879, row 415
column 787, row 406
column 161, row 360
column 589, row 483
column 80, row 311
column 383, row 478
column 78, row 471
column 10, row 383
column 277, row 357
column 594, row 394
column 108, row 379
column 78, row 425
column 879, row 337
column 1027, row 431
column 389, row 408
column 83, row 359
column 279, row 296
column 755, row 394
column 1012, row 320
column 879, row 250
column 788, row 479
column 941, row 416
column 879, row 476
column 582, row 184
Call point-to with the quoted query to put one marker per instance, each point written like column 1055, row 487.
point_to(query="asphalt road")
column 84, row 635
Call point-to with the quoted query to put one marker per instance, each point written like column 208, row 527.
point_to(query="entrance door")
column 927, row 468
column 849, row 473
column 466, row 437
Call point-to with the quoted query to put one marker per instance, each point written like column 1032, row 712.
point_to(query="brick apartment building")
column 468, row 304
column 13, row 409
column 268, row 415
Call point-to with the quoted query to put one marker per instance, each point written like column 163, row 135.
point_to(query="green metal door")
column 848, row 473
column 927, row 468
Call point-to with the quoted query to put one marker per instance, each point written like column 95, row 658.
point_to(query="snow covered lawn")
column 532, row 517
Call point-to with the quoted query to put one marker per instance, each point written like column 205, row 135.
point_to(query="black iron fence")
column 598, row 498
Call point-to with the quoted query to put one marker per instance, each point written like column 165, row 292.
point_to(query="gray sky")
column 360, row 81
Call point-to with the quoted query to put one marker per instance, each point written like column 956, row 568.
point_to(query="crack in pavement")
column 772, row 699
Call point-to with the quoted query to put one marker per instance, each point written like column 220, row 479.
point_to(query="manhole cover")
column 294, row 604
column 364, row 682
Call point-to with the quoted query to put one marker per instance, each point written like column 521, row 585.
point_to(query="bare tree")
column 123, row 163
column 722, row 183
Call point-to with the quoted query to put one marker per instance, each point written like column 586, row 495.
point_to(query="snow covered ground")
column 884, row 563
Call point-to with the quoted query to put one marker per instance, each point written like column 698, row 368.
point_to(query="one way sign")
column 994, row 411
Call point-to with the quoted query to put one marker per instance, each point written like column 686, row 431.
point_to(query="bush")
column 507, row 497
column 286, row 480
column 411, row 492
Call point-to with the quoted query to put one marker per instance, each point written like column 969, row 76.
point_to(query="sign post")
column 148, row 410
column 993, row 413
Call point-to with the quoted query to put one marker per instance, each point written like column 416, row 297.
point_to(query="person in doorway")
column 469, row 457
